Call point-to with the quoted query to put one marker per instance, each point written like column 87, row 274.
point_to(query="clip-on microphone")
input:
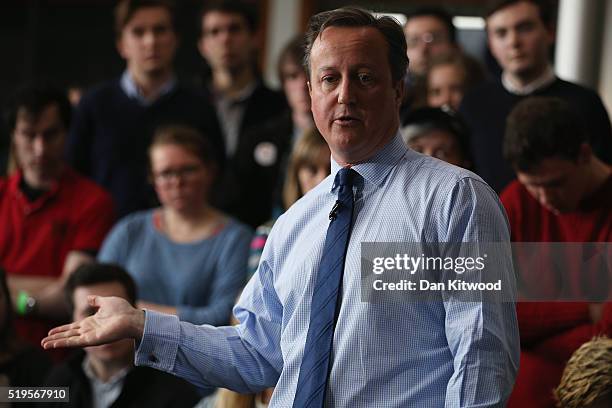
column 334, row 211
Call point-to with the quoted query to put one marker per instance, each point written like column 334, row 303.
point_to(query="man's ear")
column 309, row 89
column 399, row 89
column 202, row 46
column 119, row 46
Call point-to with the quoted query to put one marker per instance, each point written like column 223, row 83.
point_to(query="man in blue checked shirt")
column 390, row 353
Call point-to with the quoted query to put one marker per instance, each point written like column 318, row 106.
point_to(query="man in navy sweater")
column 520, row 35
column 114, row 123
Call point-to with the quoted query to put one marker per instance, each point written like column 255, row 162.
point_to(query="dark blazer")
column 246, row 188
column 142, row 387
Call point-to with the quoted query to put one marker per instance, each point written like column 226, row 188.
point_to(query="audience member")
column 449, row 76
column 563, row 194
column 21, row 365
column 187, row 258
column 243, row 103
column 429, row 32
column 587, row 377
column 520, row 35
column 105, row 376
column 309, row 164
column 438, row 133
column 52, row 219
column 114, row 123
column 260, row 162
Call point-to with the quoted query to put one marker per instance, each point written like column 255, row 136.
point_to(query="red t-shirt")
column 552, row 331
column 35, row 237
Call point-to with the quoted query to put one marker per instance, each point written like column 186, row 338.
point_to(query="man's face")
column 519, row 40
column 38, row 143
column 119, row 351
column 148, row 41
column 354, row 100
column 426, row 36
column 556, row 183
column 226, row 42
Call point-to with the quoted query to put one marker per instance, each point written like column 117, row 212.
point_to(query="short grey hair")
column 357, row 17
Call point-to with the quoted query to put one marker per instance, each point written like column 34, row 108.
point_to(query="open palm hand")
column 114, row 320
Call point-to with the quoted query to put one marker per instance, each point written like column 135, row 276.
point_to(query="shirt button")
column 152, row 358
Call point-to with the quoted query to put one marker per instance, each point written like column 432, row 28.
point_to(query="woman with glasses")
column 186, row 257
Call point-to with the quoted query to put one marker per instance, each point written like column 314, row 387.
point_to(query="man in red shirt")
column 51, row 219
column 563, row 194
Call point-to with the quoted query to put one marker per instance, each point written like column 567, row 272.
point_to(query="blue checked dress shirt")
column 385, row 354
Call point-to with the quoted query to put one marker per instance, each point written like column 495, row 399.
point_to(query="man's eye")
column 138, row 32
column 365, row 78
column 500, row 33
column 328, row 79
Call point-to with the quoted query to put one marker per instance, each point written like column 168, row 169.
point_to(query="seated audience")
column 21, row 365
column 52, row 219
column 438, row 133
column 520, row 35
column 186, row 257
column 449, row 76
column 587, row 377
column 563, row 194
column 114, row 122
column 105, row 376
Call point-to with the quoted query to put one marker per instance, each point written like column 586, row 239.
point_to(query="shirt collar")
column 89, row 372
column 240, row 97
column 547, row 78
column 376, row 169
column 131, row 89
column 31, row 206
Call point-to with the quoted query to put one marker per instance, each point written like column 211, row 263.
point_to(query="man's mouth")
column 346, row 120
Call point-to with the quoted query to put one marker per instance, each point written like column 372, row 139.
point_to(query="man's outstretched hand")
column 114, row 320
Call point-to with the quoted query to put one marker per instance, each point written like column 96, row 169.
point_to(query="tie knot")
column 345, row 177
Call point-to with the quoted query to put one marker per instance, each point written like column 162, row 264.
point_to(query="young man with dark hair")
column 114, row 123
column 520, row 35
column 52, row 219
column 563, row 194
column 105, row 376
column 242, row 101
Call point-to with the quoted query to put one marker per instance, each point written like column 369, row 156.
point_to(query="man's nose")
column 346, row 92
column 513, row 39
column 39, row 145
column 149, row 38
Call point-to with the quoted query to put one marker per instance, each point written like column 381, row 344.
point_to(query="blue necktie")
column 314, row 369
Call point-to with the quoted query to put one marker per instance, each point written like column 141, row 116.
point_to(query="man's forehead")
column 343, row 39
column 422, row 23
column 218, row 17
column 28, row 117
column 513, row 12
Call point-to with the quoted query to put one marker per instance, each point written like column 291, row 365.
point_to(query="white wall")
column 605, row 70
column 283, row 18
